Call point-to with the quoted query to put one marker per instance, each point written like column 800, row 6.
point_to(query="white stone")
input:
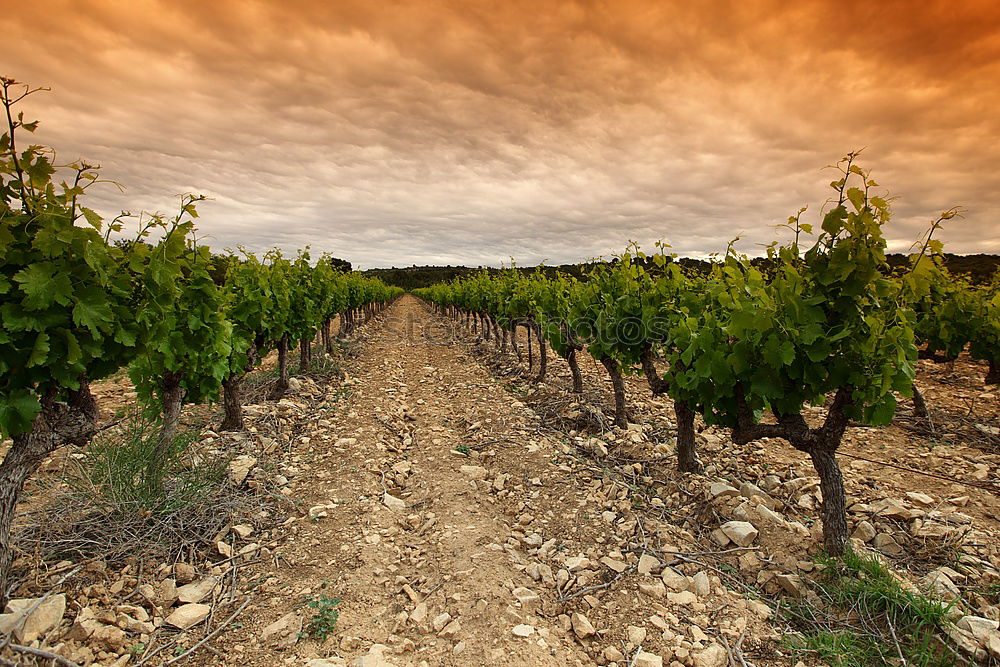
column 474, row 472
column 864, row 531
column 582, row 626
column 644, row 659
column 188, row 615
column 283, row 632
column 993, row 646
column 654, row 589
column 892, row 509
column 713, row 656
column 981, row 628
column 683, row 598
column 440, row 621
column 239, row 468
column 28, row 627
column 375, row 658
column 648, row 564
column 614, row 564
column 722, row 490
column 701, row 584
column 243, row 530
column 393, row 503
column 792, row 584
column 528, row 598
column 613, row 654
column 920, row 498
column 768, row 515
column 740, row 532
column 940, row 584
column 197, row 591
column 636, row 635
column 523, row 630
column 674, row 580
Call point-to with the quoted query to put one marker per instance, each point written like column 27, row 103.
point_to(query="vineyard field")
column 464, row 515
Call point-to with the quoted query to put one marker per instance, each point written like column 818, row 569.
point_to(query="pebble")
column 582, row 626
column 523, row 630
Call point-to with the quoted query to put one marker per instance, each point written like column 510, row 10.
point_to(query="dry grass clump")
column 113, row 509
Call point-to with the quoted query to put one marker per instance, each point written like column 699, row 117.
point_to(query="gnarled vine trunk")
column 574, row 368
column 687, row 448
column 172, row 398
column 281, row 385
column 327, row 337
column 496, row 332
column 232, row 403
column 305, row 354
column 657, row 384
column 919, row 404
column 821, row 445
column 232, row 392
column 531, row 356
column 487, row 333
column 542, row 353
column 57, row 424
column 834, row 508
column 618, row 386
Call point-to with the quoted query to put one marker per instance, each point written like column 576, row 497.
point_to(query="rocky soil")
column 464, row 516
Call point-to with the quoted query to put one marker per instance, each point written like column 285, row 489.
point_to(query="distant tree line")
column 415, row 277
column 978, row 268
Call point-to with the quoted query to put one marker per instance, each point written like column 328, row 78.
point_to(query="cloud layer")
column 441, row 132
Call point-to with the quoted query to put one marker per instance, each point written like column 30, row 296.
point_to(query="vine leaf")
column 43, row 285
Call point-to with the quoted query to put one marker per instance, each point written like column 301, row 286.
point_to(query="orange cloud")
column 468, row 132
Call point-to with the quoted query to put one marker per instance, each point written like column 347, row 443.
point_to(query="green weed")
column 324, row 618
column 114, row 471
column 866, row 617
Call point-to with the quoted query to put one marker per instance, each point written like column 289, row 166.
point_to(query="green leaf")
column 43, row 285
column 39, row 170
column 833, row 221
column 17, row 412
column 787, row 352
column 73, row 351
column 857, row 198
column 92, row 310
column 95, row 220
column 39, row 351
column 881, row 413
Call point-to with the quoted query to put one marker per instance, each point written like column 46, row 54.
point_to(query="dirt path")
column 435, row 581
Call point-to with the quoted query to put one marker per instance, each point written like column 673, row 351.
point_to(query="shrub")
column 115, row 473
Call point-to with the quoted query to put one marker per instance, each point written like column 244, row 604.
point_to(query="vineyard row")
column 825, row 324
column 77, row 306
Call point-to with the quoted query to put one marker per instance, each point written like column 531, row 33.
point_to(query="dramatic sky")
column 447, row 131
